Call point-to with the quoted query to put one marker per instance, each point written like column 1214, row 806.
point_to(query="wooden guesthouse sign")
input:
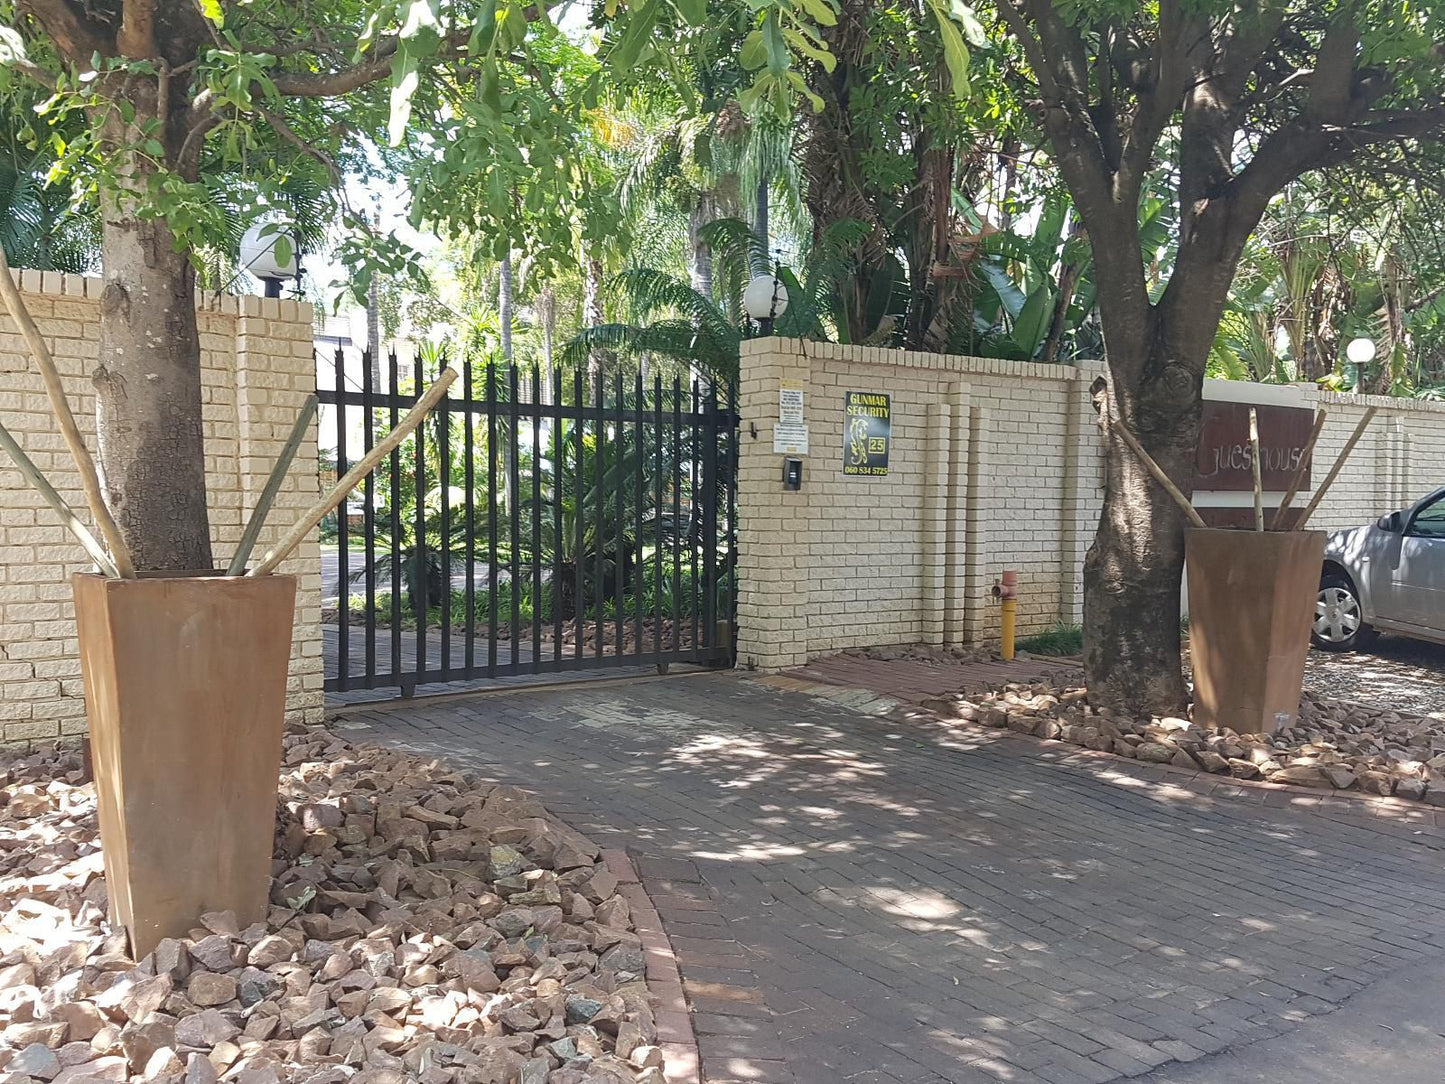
column 1222, row 459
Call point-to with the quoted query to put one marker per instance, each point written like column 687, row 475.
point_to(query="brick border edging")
column 1208, row 784
column 664, row 980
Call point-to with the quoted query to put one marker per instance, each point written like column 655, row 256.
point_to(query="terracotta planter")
column 185, row 693
column 1251, row 603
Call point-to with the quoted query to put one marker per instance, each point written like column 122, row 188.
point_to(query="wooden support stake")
column 363, row 466
column 1254, row 468
column 1159, row 476
column 89, row 479
column 1324, row 486
column 1301, row 469
column 273, row 486
column 32, row 474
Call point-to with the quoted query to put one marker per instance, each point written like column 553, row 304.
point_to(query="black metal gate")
column 533, row 524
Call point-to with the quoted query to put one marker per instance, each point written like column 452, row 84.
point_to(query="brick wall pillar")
column 935, row 521
column 275, row 372
column 976, row 602
column 955, row 580
column 1077, row 500
column 774, row 524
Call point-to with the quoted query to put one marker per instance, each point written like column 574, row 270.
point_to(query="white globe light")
column 258, row 252
column 1360, row 351
column 766, row 298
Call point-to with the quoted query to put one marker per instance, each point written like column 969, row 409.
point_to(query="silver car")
column 1387, row 577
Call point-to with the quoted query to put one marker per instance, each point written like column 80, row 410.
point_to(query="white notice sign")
column 790, row 403
column 790, row 438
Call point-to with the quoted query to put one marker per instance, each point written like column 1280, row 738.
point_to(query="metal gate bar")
column 575, row 508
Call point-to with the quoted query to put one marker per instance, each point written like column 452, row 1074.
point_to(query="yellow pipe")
column 1006, row 646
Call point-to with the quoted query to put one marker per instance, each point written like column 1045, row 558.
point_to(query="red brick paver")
column 854, row 897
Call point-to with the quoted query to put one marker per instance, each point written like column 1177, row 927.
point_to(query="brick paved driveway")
column 855, row 898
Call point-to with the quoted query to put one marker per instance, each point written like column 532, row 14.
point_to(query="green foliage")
column 1063, row 639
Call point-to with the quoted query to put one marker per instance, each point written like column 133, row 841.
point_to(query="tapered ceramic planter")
column 1251, row 603
column 185, row 693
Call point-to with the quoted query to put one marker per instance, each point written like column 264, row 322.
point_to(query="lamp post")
column 1361, row 352
column 765, row 299
column 259, row 256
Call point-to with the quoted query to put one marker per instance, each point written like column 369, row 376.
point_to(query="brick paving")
column 851, row 897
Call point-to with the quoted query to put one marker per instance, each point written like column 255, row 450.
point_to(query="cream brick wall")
column 974, row 487
column 257, row 364
column 993, row 465
column 1400, row 459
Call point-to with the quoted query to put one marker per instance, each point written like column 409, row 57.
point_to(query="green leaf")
column 404, row 79
column 282, row 249
column 693, row 12
column 489, row 90
column 1032, row 322
column 808, row 49
column 972, row 29
column 955, row 52
column 484, row 30
column 752, row 55
column 820, row 11
column 637, row 34
column 774, row 45
column 421, row 27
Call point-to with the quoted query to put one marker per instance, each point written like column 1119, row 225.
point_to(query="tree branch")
column 31, row 70
column 1065, row 107
column 288, row 133
column 1174, row 67
column 1332, row 83
column 137, row 36
column 75, row 38
column 344, row 81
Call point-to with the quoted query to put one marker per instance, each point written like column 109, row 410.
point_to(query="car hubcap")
column 1337, row 615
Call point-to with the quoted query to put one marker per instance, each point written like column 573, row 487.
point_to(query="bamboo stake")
column 89, row 479
column 1301, row 469
column 27, row 467
column 363, row 466
column 1159, row 476
column 1254, row 467
column 273, row 486
column 1335, row 470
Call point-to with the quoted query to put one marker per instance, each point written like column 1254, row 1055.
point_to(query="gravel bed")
column 424, row 927
column 1394, row 674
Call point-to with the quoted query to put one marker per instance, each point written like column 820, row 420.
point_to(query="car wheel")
column 1339, row 624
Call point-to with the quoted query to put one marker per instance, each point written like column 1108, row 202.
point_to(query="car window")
column 1430, row 522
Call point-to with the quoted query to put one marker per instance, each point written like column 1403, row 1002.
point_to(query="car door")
column 1417, row 577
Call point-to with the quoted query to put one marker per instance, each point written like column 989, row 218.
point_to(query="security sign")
column 867, row 432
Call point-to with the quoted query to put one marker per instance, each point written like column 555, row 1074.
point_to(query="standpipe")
column 1006, row 591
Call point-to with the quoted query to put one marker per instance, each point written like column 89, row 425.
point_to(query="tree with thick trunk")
column 1246, row 99
column 135, row 70
column 174, row 97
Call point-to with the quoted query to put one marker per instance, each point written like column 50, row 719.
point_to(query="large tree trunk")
column 148, row 393
column 1133, row 570
column 1132, row 576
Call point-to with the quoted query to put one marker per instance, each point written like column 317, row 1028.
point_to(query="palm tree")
column 672, row 320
